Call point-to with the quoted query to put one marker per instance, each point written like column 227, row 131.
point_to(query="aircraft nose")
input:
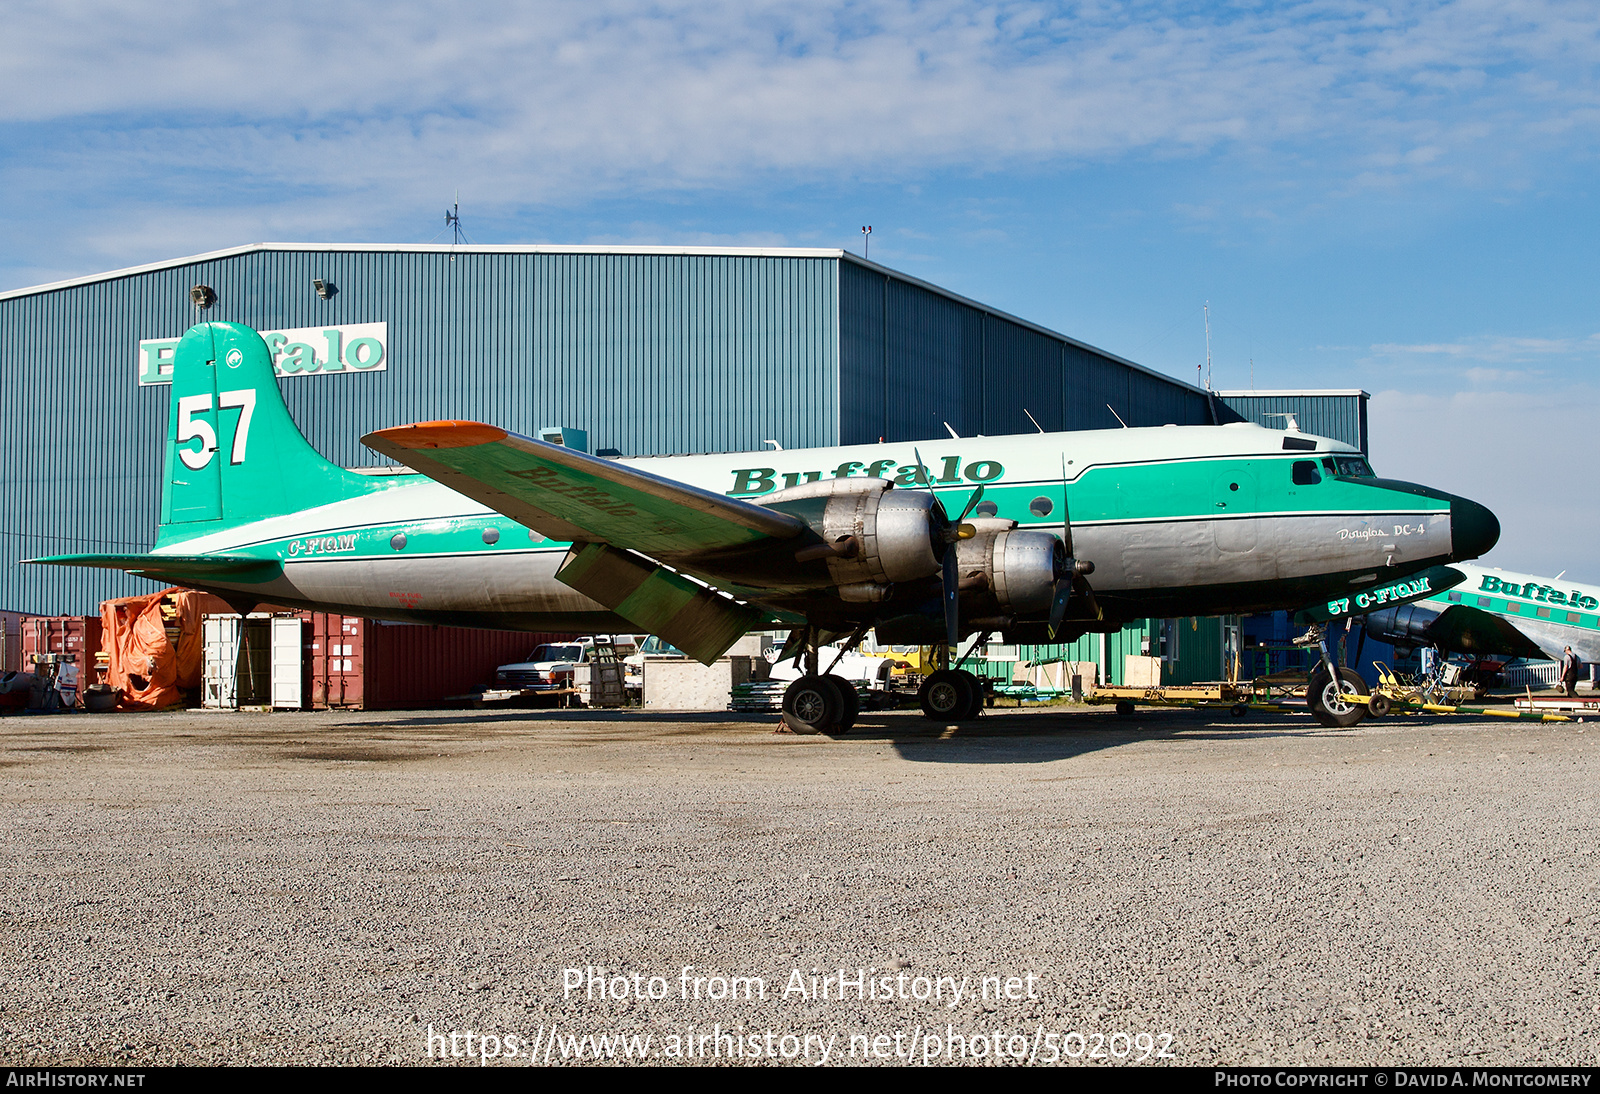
column 1473, row 529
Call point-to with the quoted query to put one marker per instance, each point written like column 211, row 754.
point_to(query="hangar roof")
column 592, row 249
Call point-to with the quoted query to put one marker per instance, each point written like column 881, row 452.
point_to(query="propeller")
column 1072, row 573
column 951, row 593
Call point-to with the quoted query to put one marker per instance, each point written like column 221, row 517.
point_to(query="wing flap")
column 570, row 495
column 693, row 618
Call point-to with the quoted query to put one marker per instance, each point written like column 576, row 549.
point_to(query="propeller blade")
column 1066, row 520
column 952, row 598
column 972, row 503
column 1082, row 586
column 1058, row 606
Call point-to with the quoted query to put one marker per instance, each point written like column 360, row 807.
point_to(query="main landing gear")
column 951, row 695
column 819, row 702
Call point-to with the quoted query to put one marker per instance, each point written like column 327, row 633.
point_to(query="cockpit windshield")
column 1351, row 467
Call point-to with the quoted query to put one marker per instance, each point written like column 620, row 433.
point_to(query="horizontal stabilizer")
column 178, row 569
column 692, row 617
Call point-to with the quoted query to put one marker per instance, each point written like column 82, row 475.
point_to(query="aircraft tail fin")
column 233, row 453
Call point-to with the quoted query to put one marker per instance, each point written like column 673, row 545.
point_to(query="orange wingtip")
column 442, row 434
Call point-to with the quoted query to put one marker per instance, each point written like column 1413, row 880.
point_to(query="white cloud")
column 563, row 97
column 1495, row 348
column 1527, row 452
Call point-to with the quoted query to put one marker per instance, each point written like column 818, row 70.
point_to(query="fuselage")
column 1180, row 520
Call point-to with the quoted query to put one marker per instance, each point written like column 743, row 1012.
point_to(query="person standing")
column 1569, row 672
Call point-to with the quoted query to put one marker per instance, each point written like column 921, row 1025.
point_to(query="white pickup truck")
column 550, row 667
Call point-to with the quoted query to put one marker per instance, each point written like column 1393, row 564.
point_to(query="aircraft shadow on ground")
column 1037, row 738
column 1042, row 738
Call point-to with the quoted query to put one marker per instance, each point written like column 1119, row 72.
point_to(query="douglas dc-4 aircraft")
column 1497, row 612
column 486, row 528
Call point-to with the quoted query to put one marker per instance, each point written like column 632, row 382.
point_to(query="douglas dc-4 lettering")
column 487, row 528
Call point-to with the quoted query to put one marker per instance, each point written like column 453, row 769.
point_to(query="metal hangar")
column 646, row 350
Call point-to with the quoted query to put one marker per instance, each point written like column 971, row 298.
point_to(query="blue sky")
column 1393, row 196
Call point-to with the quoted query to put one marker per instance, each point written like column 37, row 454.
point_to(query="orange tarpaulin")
column 146, row 669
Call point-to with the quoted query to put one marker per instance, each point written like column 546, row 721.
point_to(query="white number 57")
column 191, row 428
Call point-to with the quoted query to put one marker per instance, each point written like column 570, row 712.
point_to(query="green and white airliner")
column 1499, row 612
column 482, row 527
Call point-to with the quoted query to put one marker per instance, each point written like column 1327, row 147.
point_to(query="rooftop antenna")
column 952, row 432
column 452, row 219
column 1208, row 346
column 1117, row 416
column 866, row 241
column 1034, row 420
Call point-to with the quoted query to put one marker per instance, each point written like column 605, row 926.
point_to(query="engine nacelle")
column 1019, row 568
column 1405, row 626
column 873, row 536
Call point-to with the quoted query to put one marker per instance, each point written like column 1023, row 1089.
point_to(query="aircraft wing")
column 570, row 495
column 607, row 511
column 1470, row 630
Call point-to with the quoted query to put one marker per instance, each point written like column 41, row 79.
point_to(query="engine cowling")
column 1404, row 627
column 1018, row 569
column 873, row 536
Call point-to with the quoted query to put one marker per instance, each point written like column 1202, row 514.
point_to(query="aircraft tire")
column 1337, row 706
column 849, row 703
column 812, row 705
column 946, row 696
column 1124, row 707
column 974, row 708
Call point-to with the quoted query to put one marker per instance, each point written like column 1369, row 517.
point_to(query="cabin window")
column 1305, row 473
column 1544, row 613
column 1483, row 602
column 1513, row 606
column 1455, row 598
column 1573, row 617
column 986, row 509
column 1040, row 507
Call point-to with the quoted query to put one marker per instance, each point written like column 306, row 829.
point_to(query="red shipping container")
column 75, row 635
column 370, row 664
column 11, row 641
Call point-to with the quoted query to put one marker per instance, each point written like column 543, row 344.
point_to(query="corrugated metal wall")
column 912, row 359
column 1342, row 415
column 1198, row 659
